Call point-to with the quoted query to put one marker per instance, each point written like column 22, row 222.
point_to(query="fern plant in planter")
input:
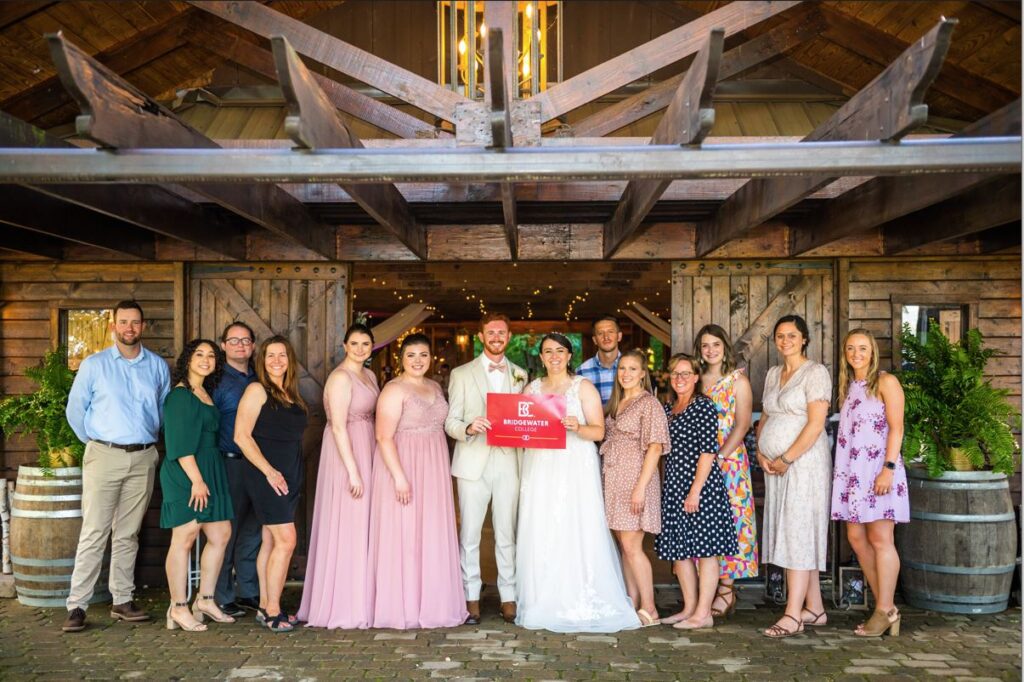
column 951, row 409
column 41, row 413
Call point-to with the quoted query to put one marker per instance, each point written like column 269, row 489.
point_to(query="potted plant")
column 46, row 510
column 958, row 551
column 41, row 413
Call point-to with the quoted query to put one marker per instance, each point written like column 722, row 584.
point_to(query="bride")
column 569, row 576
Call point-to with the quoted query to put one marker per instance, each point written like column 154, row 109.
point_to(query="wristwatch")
column 891, row 466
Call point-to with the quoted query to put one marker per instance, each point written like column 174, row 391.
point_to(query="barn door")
column 746, row 298
column 307, row 303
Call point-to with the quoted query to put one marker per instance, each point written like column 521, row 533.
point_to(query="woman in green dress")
column 194, row 484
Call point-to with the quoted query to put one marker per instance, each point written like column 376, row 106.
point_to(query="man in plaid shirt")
column 600, row 370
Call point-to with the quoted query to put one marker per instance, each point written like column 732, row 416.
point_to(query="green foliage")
column 949, row 404
column 42, row 413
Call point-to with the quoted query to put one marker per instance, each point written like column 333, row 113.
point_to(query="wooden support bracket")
column 501, row 129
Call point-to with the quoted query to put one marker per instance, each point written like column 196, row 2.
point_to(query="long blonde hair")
column 289, row 392
column 617, row 391
column 846, row 371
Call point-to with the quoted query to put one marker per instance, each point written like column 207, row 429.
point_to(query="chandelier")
column 462, row 35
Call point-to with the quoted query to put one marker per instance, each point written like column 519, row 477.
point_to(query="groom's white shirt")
column 485, row 475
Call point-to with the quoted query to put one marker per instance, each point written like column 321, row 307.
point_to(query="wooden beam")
column 253, row 57
column 313, row 123
column 988, row 205
column 116, row 114
column 653, row 318
column 339, row 55
column 239, row 309
column 887, row 108
column 797, row 30
column 154, row 208
column 33, row 243
column 1000, row 239
column 687, row 120
column 13, row 12
column 1008, row 8
column 642, row 322
column 24, row 208
column 499, row 97
column 885, row 199
column 666, row 49
column 783, row 304
column 871, row 42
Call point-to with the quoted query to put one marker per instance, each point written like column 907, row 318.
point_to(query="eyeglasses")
column 682, row 375
column 235, row 341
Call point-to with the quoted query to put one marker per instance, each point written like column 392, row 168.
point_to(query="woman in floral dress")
column 729, row 390
column 869, row 488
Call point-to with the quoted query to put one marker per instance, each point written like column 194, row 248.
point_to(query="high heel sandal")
column 880, row 623
column 173, row 623
column 198, row 611
column 279, row 623
column 262, row 617
column 730, row 604
column 646, row 619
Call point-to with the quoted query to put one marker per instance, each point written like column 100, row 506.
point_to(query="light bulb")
column 529, row 10
column 526, row 64
column 462, row 46
column 483, row 30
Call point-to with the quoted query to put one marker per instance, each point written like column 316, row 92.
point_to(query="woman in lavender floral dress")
column 869, row 489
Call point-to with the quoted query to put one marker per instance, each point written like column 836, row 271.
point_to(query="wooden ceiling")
column 787, row 71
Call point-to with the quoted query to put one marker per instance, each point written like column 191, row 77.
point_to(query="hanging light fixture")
column 461, row 37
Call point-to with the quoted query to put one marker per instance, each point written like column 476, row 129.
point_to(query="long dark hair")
column 728, row 359
column 179, row 375
column 565, row 343
column 289, row 392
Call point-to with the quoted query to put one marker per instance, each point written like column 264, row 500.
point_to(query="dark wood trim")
column 899, row 300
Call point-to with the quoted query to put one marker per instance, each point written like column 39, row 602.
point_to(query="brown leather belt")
column 134, row 447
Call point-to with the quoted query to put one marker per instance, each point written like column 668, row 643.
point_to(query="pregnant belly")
column 778, row 434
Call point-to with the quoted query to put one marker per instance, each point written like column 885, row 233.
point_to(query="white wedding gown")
column 568, row 571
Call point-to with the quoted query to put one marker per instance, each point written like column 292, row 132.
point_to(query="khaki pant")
column 116, row 487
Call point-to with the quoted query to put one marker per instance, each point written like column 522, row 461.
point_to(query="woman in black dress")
column 268, row 429
column 696, row 519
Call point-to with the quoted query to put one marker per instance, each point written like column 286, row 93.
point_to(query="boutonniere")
column 518, row 377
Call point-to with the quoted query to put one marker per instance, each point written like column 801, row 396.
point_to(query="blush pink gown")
column 336, row 593
column 414, row 549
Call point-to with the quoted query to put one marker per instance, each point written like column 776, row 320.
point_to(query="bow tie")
column 499, row 367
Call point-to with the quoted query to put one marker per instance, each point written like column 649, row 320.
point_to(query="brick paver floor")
column 931, row 646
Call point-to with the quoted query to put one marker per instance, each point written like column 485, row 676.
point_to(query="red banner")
column 526, row 421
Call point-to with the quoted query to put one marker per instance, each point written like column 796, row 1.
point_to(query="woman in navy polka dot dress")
column 696, row 518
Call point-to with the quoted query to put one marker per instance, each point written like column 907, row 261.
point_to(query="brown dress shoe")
column 508, row 611
column 75, row 621
column 129, row 612
column 474, row 613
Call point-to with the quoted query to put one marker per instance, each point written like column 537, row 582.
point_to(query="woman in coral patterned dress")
column 730, row 391
column 869, row 488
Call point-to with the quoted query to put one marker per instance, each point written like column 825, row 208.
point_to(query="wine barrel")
column 46, row 518
column 958, row 553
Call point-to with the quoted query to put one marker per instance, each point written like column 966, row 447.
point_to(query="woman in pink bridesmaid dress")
column 414, row 550
column 337, row 589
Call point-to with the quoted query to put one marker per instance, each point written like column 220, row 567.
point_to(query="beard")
column 128, row 342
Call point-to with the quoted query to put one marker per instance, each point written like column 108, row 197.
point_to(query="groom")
column 485, row 474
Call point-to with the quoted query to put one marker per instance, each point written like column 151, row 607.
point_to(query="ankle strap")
column 179, row 603
column 206, row 597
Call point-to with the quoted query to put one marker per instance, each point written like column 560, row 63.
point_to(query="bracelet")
column 785, row 461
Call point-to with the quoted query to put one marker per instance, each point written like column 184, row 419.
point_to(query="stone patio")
column 931, row 646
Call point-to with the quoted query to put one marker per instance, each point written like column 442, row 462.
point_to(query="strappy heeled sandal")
column 199, row 612
column 778, row 632
column 880, row 623
column 646, row 619
column 173, row 623
column 279, row 623
column 262, row 617
column 725, row 591
column 815, row 621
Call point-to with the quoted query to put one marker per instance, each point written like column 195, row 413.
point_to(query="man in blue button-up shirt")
column 600, row 370
column 115, row 407
column 238, row 342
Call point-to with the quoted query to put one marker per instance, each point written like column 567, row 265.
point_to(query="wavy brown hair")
column 728, row 359
column 846, row 371
column 289, row 393
column 617, row 390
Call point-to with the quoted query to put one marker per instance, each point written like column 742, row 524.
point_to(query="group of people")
column 569, row 524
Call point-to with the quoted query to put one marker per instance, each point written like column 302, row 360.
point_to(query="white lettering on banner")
column 524, row 409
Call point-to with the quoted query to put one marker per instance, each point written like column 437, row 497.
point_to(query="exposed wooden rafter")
column 115, row 114
column 986, row 206
column 881, row 200
column 24, row 208
column 313, row 123
column 641, row 61
column 772, row 43
column 230, row 46
column 154, row 208
column 887, row 108
column 499, row 75
column 687, row 121
column 32, row 243
column 339, row 55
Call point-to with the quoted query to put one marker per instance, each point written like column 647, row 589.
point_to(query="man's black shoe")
column 248, row 603
column 232, row 609
column 75, row 621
